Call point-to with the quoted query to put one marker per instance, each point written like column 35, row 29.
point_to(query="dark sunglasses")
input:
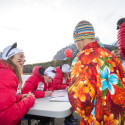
column 12, row 47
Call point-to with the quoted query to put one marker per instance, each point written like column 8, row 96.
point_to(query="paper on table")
column 59, row 93
column 60, row 99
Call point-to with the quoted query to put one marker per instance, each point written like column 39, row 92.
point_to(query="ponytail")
column 41, row 71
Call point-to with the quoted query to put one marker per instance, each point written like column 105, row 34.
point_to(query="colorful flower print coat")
column 97, row 89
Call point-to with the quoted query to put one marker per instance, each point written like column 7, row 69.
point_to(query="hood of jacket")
column 59, row 72
column 35, row 71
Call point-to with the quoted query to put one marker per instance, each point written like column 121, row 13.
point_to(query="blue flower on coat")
column 93, row 111
column 108, row 80
column 74, row 61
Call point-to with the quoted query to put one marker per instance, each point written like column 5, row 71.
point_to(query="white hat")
column 50, row 71
column 10, row 51
column 66, row 68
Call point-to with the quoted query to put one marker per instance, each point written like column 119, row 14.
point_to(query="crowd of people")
column 40, row 84
column 95, row 82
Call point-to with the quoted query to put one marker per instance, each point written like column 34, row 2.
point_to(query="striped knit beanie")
column 83, row 30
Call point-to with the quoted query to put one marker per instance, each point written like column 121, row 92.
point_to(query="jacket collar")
column 92, row 45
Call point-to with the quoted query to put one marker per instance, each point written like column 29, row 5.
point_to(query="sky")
column 43, row 27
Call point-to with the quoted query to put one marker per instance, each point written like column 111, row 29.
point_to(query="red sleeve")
column 39, row 94
column 23, row 106
column 50, row 86
column 57, row 84
column 14, row 108
column 18, row 98
column 30, row 85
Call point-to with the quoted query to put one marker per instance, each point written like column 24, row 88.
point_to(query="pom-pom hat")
column 83, row 30
column 66, row 68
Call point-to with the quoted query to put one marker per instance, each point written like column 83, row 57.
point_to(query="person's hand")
column 30, row 93
column 23, row 96
column 26, row 95
column 48, row 93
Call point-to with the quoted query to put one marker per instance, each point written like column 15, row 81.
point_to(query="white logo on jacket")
column 40, row 86
column 64, row 81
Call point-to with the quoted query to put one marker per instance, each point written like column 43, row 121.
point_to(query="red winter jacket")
column 36, row 84
column 58, row 80
column 12, row 109
column 121, row 39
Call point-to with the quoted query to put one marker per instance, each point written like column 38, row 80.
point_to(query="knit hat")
column 83, row 30
column 50, row 71
column 10, row 51
column 66, row 68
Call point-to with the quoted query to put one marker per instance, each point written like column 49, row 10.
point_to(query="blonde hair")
column 66, row 76
column 9, row 63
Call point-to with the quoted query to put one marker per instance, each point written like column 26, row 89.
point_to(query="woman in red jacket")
column 12, row 106
column 62, row 78
column 40, row 82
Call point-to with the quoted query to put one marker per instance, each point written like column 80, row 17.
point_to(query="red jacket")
column 121, row 39
column 37, row 84
column 58, row 80
column 12, row 109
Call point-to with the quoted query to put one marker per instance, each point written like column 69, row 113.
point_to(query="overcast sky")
column 43, row 27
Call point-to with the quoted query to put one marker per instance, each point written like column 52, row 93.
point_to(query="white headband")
column 49, row 72
column 10, row 51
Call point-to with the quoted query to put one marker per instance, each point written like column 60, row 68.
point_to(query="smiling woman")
column 12, row 107
column 19, row 60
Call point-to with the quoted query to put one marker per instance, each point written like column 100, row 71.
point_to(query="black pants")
column 70, row 120
column 44, row 121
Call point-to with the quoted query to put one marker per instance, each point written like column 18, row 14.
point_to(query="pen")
column 32, row 91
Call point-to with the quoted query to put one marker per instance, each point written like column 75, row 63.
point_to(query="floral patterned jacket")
column 97, row 89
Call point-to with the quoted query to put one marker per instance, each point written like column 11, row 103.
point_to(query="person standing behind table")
column 12, row 107
column 97, row 88
column 118, row 55
column 40, row 82
column 62, row 78
column 121, row 36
